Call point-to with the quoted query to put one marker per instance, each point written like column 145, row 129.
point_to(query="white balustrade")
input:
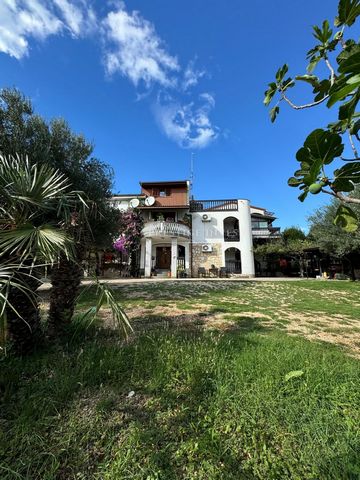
column 165, row 229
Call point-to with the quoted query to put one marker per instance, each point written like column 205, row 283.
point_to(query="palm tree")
column 35, row 204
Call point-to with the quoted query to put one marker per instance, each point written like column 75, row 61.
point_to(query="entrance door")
column 163, row 257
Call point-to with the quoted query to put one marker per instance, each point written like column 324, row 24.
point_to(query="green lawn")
column 209, row 365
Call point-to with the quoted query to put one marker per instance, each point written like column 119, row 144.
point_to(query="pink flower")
column 119, row 245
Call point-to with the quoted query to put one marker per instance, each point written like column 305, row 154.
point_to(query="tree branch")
column 352, row 145
column 302, row 107
column 332, row 71
column 341, row 197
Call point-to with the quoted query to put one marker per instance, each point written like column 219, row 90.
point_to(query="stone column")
column 142, row 254
column 246, row 241
column 148, row 257
column 174, row 256
column 187, row 257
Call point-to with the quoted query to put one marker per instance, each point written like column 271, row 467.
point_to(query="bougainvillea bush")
column 128, row 242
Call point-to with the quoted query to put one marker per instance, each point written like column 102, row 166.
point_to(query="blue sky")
column 150, row 82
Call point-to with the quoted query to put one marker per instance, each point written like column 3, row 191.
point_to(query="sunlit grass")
column 208, row 403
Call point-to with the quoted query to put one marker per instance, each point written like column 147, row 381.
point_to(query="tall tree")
column 54, row 144
column 293, row 244
column 341, row 86
column 330, row 238
column 35, row 204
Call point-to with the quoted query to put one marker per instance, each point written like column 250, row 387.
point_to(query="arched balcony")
column 233, row 260
column 231, row 229
column 160, row 229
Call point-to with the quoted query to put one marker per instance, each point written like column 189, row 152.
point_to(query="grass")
column 212, row 395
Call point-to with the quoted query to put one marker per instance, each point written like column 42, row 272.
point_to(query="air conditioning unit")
column 205, row 217
column 207, row 248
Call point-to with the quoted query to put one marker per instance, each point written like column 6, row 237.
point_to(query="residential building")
column 182, row 234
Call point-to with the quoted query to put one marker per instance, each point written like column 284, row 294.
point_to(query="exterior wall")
column 160, row 242
column 212, row 232
column 179, row 194
column 148, row 213
column 206, row 259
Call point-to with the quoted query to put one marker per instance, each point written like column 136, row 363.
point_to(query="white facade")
column 213, row 231
column 183, row 236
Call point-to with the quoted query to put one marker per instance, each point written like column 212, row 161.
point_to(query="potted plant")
column 181, row 273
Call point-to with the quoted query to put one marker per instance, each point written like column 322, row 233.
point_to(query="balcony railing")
column 166, row 229
column 214, row 205
column 272, row 232
column 233, row 266
column 232, row 235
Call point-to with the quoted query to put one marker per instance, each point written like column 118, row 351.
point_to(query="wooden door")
column 163, row 257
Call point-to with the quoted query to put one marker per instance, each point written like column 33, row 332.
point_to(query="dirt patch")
column 336, row 329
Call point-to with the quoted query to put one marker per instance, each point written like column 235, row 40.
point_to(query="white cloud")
column 191, row 76
column 133, row 48
column 21, row 20
column 79, row 19
column 188, row 125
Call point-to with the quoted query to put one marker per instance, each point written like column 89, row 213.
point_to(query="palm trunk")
column 65, row 279
column 23, row 326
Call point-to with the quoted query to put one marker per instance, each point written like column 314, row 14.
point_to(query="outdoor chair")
column 224, row 272
column 214, row 272
column 202, row 272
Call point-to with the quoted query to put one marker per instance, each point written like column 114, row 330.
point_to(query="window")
column 162, row 192
column 165, row 192
column 259, row 224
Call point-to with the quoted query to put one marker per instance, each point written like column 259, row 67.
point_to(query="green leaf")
column 303, row 195
column 347, row 109
column 30, row 241
column 343, row 185
column 355, row 127
column 351, row 64
column 312, row 79
column 301, row 173
column 274, row 113
column 341, row 93
column 348, row 10
column 288, row 83
column 269, row 94
column 349, row 49
column 293, row 374
column 323, row 34
column 324, row 145
column 302, row 155
column 339, row 127
column 280, row 74
column 294, row 182
column 348, row 171
column 346, row 219
column 322, row 89
column 313, row 62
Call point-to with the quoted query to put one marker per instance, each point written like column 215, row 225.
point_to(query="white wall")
column 213, row 232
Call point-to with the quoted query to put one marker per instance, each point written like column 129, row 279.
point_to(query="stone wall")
column 206, row 259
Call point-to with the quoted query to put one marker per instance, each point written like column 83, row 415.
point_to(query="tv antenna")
column 192, row 174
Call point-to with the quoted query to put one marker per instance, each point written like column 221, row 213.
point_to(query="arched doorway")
column 231, row 229
column 233, row 260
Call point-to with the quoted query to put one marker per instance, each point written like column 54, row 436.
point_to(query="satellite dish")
column 149, row 201
column 123, row 206
column 134, row 203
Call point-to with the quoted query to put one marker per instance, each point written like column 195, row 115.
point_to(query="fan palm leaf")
column 36, row 204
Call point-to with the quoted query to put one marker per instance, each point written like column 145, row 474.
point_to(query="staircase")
column 162, row 273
